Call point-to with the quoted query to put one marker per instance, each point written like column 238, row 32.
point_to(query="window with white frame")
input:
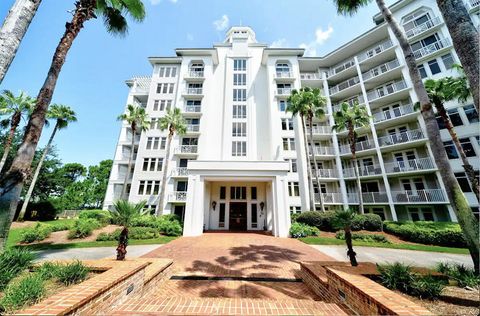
column 238, row 193
column 162, row 105
column 471, row 113
column 239, row 111
column 467, row 147
column 148, row 187
column 422, row 71
column 155, row 123
column 450, row 149
column 448, row 61
column 239, row 64
column 282, row 69
column 165, row 88
column 293, row 164
column 288, row 144
column 282, row 105
column 434, row 67
column 295, row 209
column 239, row 95
column 153, row 142
column 239, row 148
column 152, row 164
column 287, row 124
column 167, row 72
column 463, row 181
column 239, row 129
column 239, row 79
column 293, row 188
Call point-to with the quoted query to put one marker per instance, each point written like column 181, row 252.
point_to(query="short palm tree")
column 63, row 115
column 137, row 119
column 123, row 213
column 348, row 118
column 174, row 122
column 343, row 220
column 12, row 110
column 114, row 14
column 468, row 222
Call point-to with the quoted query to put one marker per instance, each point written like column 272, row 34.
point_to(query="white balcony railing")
column 432, row 48
column 369, row 197
column 399, row 138
column 177, row 196
column 140, row 84
column 409, row 165
column 193, row 108
column 374, row 51
column 363, row 171
column 322, row 151
column 358, row 99
column 193, row 128
column 329, row 198
column 379, row 70
column 311, row 75
column 321, row 130
column 284, row 91
column 196, row 74
column 180, row 172
column 339, row 68
column 419, row 196
column 194, row 91
column 327, row 173
column 283, row 74
column 363, row 145
column 344, row 85
column 425, row 26
column 393, row 113
column 186, row 149
column 380, row 92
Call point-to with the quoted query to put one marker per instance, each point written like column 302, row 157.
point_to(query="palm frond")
column 350, row 7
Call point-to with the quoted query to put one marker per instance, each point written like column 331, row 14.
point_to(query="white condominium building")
column 242, row 163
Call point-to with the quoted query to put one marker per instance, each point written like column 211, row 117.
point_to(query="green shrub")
column 396, row 276
column 48, row 270
column 299, row 230
column 28, row 290
column 463, row 275
column 72, row 273
column 373, row 222
column 12, row 262
column 144, row 221
column 38, row 232
column 323, row 221
column 83, row 228
column 294, row 217
column 364, row 237
column 170, row 218
column 430, row 233
column 101, row 216
column 427, row 287
column 170, row 228
column 56, row 227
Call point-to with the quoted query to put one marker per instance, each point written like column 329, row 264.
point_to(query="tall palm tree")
column 465, row 41
column 13, row 108
column 63, row 115
column 174, row 122
column 343, row 220
column 137, row 119
column 468, row 222
column 122, row 214
column 113, row 13
column 13, row 29
column 349, row 118
column 447, row 89
column 298, row 105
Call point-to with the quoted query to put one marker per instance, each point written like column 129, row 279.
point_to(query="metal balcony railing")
column 399, row 138
column 379, row 70
column 193, row 128
column 327, row 173
column 311, row 75
column 321, row 130
column 419, row 196
column 425, row 26
column 393, row 113
column 177, row 196
column 359, row 99
column 180, row 172
column 329, row 198
column 284, row 91
column 186, row 149
column 194, row 91
column 193, row 108
column 363, row 171
column 374, row 51
column 432, row 48
column 409, row 165
column 196, row 74
column 283, row 74
column 369, row 197
column 344, row 85
column 380, row 92
column 322, row 151
column 339, row 68
column 363, row 145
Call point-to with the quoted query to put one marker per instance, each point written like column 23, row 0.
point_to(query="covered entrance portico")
column 237, row 196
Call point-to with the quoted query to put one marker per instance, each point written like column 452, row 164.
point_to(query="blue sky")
column 92, row 80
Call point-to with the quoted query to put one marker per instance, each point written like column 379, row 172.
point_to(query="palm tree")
column 349, row 118
column 465, row 41
column 122, row 214
column 113, row 13
column 174, row 122
column 466, row 219
column 447, row 89
column 137, row 118
column 14, row 108
column 63, row 116
column 13, row 29
column 343, row 220
column 297, row 105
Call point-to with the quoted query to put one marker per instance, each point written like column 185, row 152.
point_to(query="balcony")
column 284, row 75
column 412, row 165
column 186, row 149
column 364, row 171
column 399, row 138
column 321, row 130
column 311, row 75
column 432, row 48
column 360, row 146
column 322, row 151
column 140, row 84
column 193, row 91
column 327, row 173
column 369, row 198
column 393, row 113
column 196, row 74
column 419, row 196
column 329, row 198
column 381, row 92
column 357, row 99
column 180, row 172
column 344, row 85
column 419, row 29
column 340, row 68
column 177, row 196
column 380, row 70
column 372, row 52
column 193, row 109
column 284, row 91
column 193, row 128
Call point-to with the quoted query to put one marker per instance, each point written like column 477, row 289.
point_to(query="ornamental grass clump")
column 12, row 262
column 26, row 291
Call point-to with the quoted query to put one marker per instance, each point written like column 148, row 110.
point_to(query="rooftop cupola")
column 240, row 34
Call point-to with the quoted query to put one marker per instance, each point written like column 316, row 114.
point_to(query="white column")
column 282, row 212
column 193, row 223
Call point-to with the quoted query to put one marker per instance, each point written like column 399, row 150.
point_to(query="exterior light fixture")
column 214, row 204
column 262, row 205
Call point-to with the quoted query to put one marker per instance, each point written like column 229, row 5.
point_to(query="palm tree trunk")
column 466, row 219
column 8, row 144
column 122, row 244
column 351, row 136
column 161, row 197
column 12, row 183
column 310, row 121
column 465, row 41
column 35, row 176
column 13, row 30
column 311, row 193
column 129, row 166
column 350, row 252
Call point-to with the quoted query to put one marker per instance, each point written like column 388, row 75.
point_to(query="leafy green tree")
column 96, row 182
column 349, row 118
column 343, row 219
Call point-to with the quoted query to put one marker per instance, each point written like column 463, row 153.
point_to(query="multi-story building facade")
column 242, row 162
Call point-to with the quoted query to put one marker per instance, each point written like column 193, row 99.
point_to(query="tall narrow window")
column 254, row 193
column 221, row 215
column 254, row 215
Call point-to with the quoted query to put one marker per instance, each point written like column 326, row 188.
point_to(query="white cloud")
column 281, row 42
column 222, row 23
column 320, row 37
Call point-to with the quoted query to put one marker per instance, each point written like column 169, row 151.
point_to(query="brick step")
column 224, row 306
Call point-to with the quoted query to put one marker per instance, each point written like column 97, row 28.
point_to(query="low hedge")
column 133, row 233
column 103, row 217
column 83, row 228
column 38, row 232
column 364, row 237
column 299, row 230
column 169, row 225
column 325, row 221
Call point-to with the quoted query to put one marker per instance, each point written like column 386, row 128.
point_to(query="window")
column 293, row 189
column 223, row 193
column 167, row 72
column 463, row 181
column 239, row 64
column 423, row 72
column 434, row 67
column 282, row 68
column 239, row 111
column 155, row 105
column 467, row 147
column 295, row 209
column 254, row 215
column 293, row 164
column 155, row 123
column 239, row 79
column 287, row 124
column 239, row 129
column 471, row 113
column 148, row 187
column 163, row 142
column 152, row 142
column 440, row 122
column 288, row 143
column 448, row 61
column 238, row 193
column 450, row 149
column 152, row 164
column 254, row 193
column 221, row 215
column 165, row 87
column 240, row 95
column 239, row 149
column 282, row 105
column 455, row 117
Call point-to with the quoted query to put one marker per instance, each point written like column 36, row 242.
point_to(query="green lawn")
column 335, row 241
